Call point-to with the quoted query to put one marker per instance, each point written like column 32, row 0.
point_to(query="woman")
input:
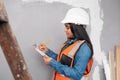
column 75, row 58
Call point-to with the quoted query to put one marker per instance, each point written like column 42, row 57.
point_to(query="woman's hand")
column 47, row 59
column 43, row 48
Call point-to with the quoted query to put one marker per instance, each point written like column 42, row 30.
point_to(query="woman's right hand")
column 43, row 48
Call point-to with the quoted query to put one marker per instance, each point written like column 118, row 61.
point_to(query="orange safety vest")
column 71, row 51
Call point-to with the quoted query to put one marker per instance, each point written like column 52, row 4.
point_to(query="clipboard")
column 38, row 50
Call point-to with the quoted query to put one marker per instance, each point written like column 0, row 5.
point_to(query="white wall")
column 39, row 21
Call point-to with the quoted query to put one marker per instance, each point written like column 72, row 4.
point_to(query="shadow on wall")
column 110, row 33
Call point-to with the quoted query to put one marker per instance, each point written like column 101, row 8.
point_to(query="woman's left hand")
column 47, row 59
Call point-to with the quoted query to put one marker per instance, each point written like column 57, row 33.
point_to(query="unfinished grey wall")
column 39, row 21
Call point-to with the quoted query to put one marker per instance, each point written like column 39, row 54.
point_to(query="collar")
column 71, row 40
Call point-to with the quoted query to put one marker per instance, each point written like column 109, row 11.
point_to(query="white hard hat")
column 77, row 16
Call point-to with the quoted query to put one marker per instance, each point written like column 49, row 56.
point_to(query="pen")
column 46, row 43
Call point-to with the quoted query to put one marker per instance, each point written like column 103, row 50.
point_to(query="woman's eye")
column 68, row 28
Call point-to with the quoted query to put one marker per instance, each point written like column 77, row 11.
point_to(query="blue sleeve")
column 80, row 64
column 52, row 54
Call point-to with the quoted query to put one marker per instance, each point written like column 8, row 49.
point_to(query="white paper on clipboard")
column 39, row 51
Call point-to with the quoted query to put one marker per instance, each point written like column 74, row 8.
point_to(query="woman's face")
column 68, row 31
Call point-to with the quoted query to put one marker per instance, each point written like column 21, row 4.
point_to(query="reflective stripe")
column 62, row 75
column 72, row 52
